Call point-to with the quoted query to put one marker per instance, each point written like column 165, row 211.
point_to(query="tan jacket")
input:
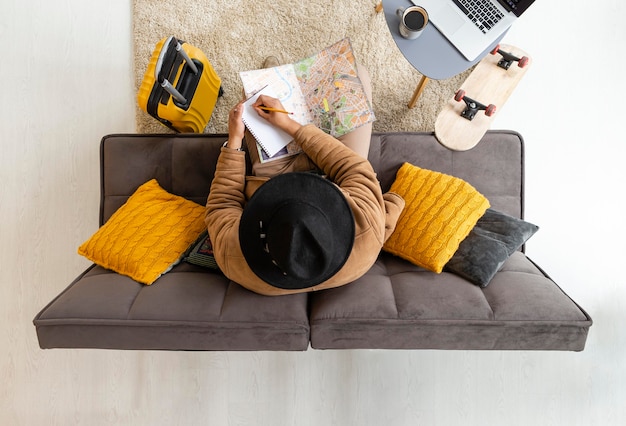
column 375, row 214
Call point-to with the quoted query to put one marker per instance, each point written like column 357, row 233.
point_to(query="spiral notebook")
column 270, row 138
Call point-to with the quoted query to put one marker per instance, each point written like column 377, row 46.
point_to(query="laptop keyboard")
column 481, row 12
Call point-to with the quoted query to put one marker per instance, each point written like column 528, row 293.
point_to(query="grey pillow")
column 491, row 242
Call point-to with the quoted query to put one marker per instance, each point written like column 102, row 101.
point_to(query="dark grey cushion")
column 491, row 242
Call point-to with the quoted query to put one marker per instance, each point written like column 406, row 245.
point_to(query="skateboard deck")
column 466, row 117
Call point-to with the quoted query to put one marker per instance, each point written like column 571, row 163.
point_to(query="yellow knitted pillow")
column 147, row 235
column 440, row 212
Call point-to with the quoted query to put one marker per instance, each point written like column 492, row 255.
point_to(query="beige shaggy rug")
column 237, row 35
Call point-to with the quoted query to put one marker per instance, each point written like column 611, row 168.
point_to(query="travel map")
column 323, row 89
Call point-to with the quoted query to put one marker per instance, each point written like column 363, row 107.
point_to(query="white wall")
column 66, row 73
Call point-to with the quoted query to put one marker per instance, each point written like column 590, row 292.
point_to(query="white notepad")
column 269, row 137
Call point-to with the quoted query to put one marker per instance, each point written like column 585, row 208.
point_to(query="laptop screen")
column 516, row 6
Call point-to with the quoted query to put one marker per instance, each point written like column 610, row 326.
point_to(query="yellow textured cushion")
column 440, row 212
column 147, row 235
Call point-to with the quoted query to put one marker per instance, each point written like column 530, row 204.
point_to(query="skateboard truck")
column 472, row 106
column 508, row 58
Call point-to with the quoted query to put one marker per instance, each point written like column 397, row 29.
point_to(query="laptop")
column 472, row 25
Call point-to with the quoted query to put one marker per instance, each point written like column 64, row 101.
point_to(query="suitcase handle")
column 181, row 51
column 165, row 84
column 172, row 91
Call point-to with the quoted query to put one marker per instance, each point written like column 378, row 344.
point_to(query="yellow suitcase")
column 180, row 87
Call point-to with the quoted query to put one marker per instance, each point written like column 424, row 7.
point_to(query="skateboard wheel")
column 460, row 94
column 495, row 49
column 523, row 61
column 490, row 110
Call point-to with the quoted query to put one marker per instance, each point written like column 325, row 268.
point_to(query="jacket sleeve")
column 357, row 179
column 225, row 205
column 394, row 204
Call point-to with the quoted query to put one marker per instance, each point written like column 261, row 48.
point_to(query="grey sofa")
column 396, row 305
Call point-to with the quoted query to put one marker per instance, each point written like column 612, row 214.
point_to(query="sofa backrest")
column 184, row 164
column 495, row 167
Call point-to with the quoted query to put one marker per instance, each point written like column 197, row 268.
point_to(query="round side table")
column 431, row 53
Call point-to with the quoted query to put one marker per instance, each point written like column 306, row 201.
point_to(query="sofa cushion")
column 189, row 308
column 495, row 237
column 397, row 305
column 440, row 212
column 147, row 235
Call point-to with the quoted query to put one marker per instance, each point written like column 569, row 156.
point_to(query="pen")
column 264, row 108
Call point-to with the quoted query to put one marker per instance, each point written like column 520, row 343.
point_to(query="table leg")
column 379, row 7
column 418, row 91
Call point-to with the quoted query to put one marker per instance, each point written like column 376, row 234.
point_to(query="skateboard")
column 465, row 119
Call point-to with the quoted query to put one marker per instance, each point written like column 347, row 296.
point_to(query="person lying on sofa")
column 299, row 231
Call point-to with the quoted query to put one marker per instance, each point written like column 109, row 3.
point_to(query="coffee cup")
column 413, row 20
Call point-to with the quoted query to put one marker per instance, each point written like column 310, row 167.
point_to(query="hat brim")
column 303, row 187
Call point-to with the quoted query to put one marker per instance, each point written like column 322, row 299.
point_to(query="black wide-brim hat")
column 296, row 231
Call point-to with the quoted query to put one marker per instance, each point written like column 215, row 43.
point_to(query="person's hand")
column 236, row 128
column 278, row 119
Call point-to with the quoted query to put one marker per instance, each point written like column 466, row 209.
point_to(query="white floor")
column 66, row 75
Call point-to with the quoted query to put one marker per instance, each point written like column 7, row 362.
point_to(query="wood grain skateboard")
column 466, row 117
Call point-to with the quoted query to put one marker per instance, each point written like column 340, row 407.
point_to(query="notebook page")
column 270, row 138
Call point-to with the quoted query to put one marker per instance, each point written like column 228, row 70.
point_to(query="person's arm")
column 356, row 177
column 226, row 198
column 236, row 128
column 328, row 153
